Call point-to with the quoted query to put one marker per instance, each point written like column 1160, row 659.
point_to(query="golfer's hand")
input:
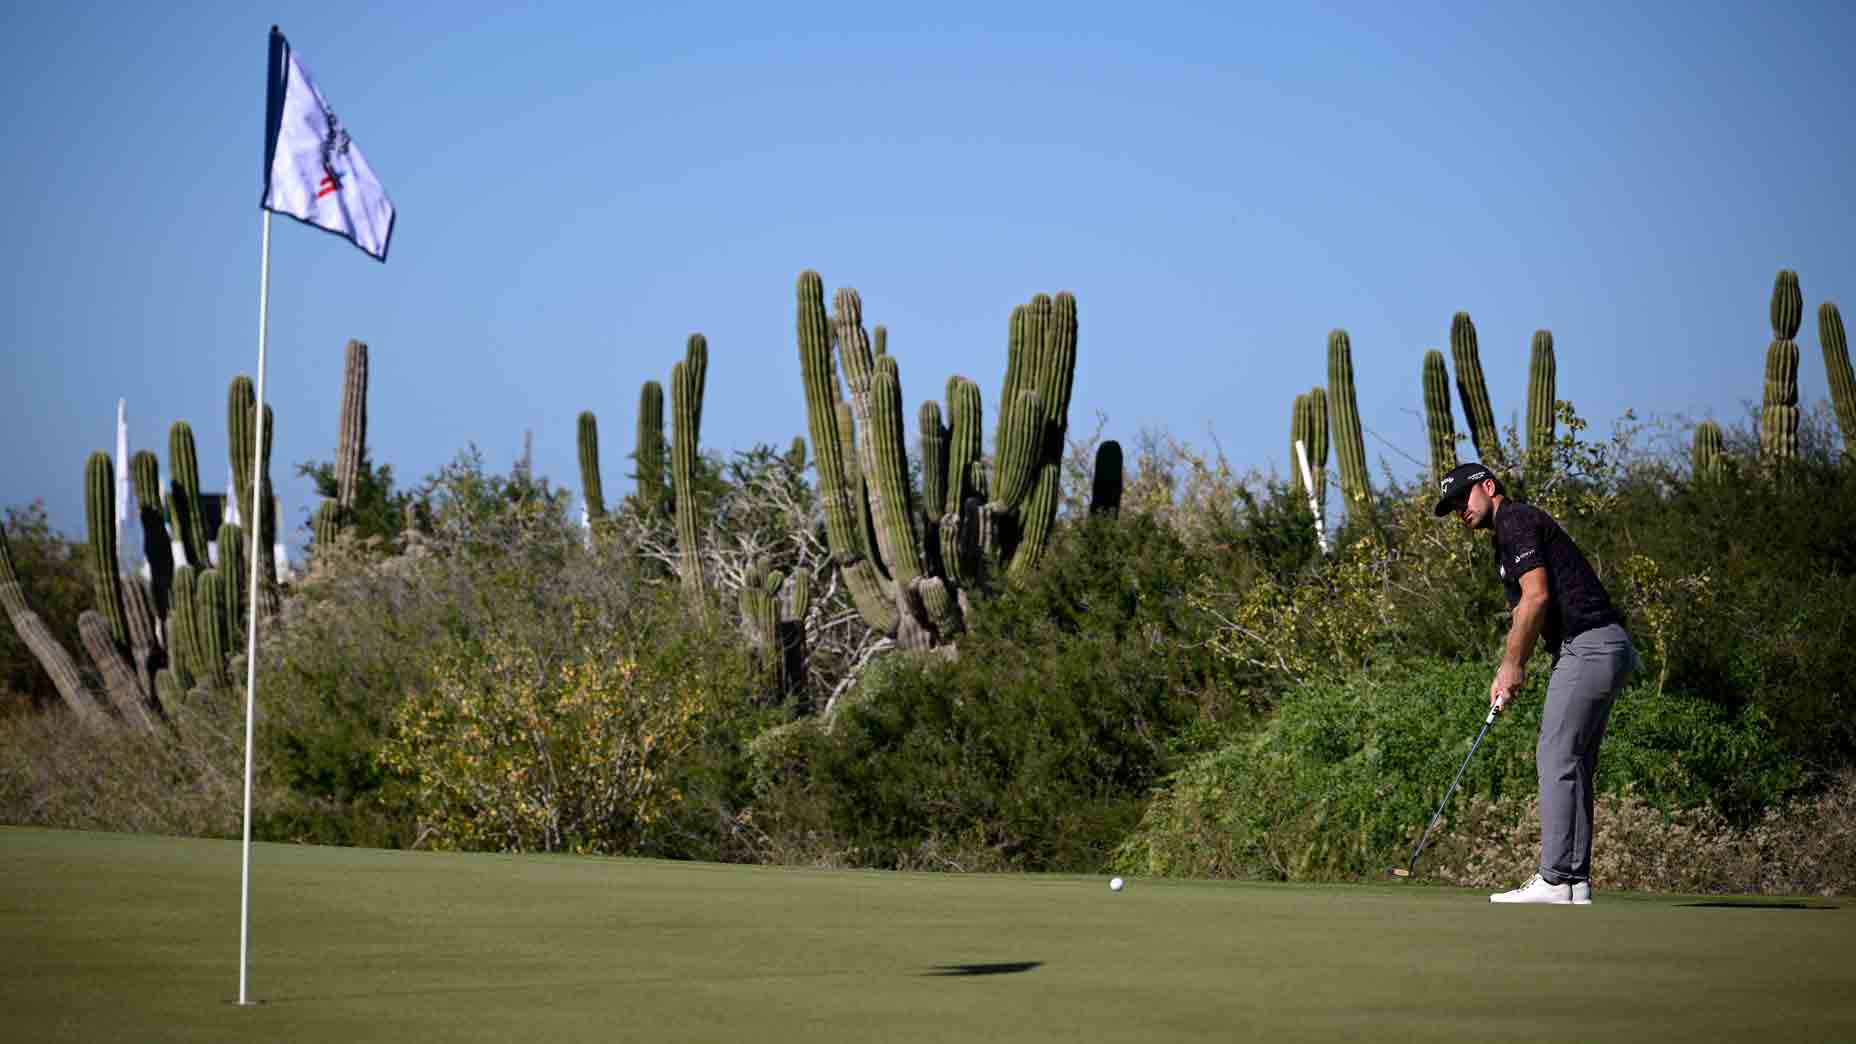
column 1508, row 682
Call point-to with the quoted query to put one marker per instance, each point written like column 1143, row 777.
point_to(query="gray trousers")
column 1587, row 675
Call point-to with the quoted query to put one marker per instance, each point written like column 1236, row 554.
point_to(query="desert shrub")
column 519, row 745
column 1341, row 781
column 186, row 778
column 1035, row 747
column 503, row 562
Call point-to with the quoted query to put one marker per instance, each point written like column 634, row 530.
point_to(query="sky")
column 581, row 186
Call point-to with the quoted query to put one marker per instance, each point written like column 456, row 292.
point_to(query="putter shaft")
column 1486, row 722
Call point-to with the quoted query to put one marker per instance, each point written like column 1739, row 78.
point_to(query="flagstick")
column 251, row 593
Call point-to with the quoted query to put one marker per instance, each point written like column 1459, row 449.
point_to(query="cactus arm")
column 828, row 451
column 1706, row 452
column 1350, row 446
column 648, row 452
column 100, row 513
column 1778, row 417
column 1474, row 391
column 351, row 447
column 685, row 412
column 1106, row 484
column 185, row 503
column 1439, row 420
column 1318, row 447
column 591, row 489
column 1541, row 377
column 1836, row 348
column 934, row 439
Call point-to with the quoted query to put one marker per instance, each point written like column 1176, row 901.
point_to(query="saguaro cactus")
column 351, row 447
column 648, row 454
column 1706, row 452
column 100, row 513
column 184, row 504
column 776, row 626
column 1541, row 374
column 1350, row 446
column 686, row 381
column 840, row 499
column 1439, row 419
column 1837, row 368
column 157, row 545
column 1106, row 487
column 591, row 489
column 1474, row 391
column 1778, row 416
column 1318, row 445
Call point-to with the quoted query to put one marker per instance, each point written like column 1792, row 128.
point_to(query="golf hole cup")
column 1115, row 884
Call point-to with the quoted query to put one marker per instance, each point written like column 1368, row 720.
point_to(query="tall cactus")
column 184, row 656
column 648, row 454
column 1106, row 487
column 686, row 381
column 235, row 573
column 351, row 447
column 1439, row 419
column 1318, row 445
column 1474, row 391
column 1706, row 453
column 1349, row 444
column 839, row 497
column 185, row 506
column 1837, row 368
column 1299, row 424
column 1778, row 416
column 1541, row 374
column 776, row 626
column 875, row 399
column 243, row 453
column 591, row 489
column 100, row 513
column 1054, row 359
column 157, row 545
column 215, row 640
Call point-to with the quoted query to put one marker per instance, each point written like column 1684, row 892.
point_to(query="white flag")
column 313, row 171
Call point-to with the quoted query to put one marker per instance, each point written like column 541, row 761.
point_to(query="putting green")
column 112, row 937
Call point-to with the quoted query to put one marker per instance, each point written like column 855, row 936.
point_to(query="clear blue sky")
column 579, row 189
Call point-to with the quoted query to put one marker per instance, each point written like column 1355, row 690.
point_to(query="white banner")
column 314, row 171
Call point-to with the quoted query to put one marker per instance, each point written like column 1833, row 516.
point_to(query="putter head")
column 1401, row 871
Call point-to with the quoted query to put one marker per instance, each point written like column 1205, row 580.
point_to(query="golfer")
column 1555, row 597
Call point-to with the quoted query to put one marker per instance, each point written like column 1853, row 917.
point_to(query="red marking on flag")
column 330, row 183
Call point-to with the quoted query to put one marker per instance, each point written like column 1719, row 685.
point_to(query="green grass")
column 111, row 937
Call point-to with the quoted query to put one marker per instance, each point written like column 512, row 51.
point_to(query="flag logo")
column 313, row 170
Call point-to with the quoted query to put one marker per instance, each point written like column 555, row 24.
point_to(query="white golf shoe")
column 1582, row 893
column 1537, row 891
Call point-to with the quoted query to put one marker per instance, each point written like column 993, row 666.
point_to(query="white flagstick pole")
column 251, row 593
column 1314, row 498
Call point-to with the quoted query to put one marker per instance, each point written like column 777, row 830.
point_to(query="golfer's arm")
column 1530, row 614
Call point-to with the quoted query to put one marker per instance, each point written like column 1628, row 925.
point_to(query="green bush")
column 1340, row 783
column 1036, row 746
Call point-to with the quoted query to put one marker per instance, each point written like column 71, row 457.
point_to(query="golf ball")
column 1115, row 883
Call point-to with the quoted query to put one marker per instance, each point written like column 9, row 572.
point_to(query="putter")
column 1405, row 871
